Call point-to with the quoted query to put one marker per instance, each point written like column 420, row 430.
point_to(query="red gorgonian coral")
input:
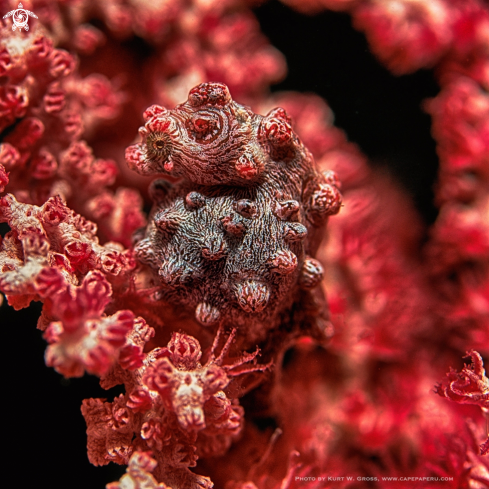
column 469, row 386
column 239, row 348
column 174, row 406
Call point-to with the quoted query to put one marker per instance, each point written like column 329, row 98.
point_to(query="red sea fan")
column 51, row 247
column 469, row 386
column 42, row 96
column 174, row 406
column 405, row 35
column 83, row 338
column 209, row 326
column 138, row 475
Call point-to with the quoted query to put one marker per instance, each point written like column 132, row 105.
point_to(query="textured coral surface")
column 223, row 315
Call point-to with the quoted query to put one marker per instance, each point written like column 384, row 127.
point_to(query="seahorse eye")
column 159, row 145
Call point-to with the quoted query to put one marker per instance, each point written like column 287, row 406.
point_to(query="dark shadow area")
column 4, row 229
column 44, row 426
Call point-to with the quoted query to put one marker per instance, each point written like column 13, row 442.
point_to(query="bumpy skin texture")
column 236, row 235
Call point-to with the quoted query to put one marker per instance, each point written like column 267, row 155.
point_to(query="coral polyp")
column 235, row 236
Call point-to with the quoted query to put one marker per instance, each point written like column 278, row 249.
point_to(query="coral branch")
column 470, row 385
